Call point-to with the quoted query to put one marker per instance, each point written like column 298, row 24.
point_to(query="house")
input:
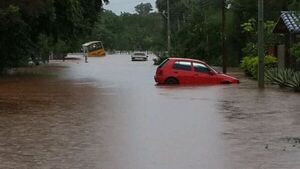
column 289, row 26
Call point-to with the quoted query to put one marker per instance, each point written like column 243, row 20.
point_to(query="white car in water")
column 139, row 56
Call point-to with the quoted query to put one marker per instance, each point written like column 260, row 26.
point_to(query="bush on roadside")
column 60, row 49
column 284, row 78
column 45, row 46
column 250, row 65
column 295, row 51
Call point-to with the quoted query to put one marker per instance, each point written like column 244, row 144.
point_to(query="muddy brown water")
column 108, row 114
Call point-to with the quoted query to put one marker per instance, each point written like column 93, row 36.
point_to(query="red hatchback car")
column 189, row 71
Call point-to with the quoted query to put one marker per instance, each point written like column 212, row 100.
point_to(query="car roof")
column 187, row 59
column 89, row 43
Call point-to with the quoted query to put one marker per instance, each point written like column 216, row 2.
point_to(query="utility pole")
column 169, row 27
column 260, row 45
column 224, row 52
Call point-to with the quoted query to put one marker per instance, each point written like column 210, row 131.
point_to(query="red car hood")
column 228, row 78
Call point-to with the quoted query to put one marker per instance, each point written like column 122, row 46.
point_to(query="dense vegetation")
column 143, row 30
column 30, row 29
column 197, row 31
column 250, row 65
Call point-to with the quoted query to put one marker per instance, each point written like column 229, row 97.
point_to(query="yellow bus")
column 93, row 49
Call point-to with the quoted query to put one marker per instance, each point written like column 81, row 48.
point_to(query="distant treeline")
column 31, row 30
column 143, row 30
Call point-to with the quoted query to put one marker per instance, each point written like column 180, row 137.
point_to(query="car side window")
column 182, row 65
column 199, row 67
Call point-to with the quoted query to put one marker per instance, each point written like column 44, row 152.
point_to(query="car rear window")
column 182, row 65
column 163, row 63
column 140, row 54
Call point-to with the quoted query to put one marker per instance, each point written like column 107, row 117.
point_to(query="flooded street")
column 109, row 114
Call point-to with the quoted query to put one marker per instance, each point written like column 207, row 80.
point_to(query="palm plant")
column 284, row 78
column 295, row 82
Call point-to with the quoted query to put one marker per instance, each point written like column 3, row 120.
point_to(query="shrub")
column 250, row 65
column 245, row 65
column 44, row 45
column 250, row 49
column 295, row 51
column 60, row 49
column 284, row 78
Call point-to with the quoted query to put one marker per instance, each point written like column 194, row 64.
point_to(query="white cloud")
column 118, row 6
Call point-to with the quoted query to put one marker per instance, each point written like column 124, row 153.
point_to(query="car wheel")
column 172, row 81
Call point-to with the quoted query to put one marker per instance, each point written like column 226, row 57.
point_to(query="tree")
column 14, row 39
column 143, row 8
column 130, row 31
column 29, row 29
column 196, row 26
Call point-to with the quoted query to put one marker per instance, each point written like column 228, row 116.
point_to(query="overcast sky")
column 118, row 6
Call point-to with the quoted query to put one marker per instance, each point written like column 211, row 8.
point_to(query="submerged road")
column 109, row 114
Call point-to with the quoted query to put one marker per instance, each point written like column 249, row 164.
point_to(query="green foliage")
column 196, row 26
column 30, row 29
column 195, row 29
column 250, row 49
column 247, row 64
column 33, row 28
column 14, row 40
column 295, row 51
column 250, row 32
column 60, row 49
column 284, row 78
column 127, row 32
column 250, row 26
column 44, row 45
column 143, row 8
column 250, row 65
column 294, row 5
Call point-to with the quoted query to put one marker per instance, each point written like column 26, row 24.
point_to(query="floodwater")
column 109, row 114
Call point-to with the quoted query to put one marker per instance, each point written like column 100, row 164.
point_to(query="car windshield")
column 212, row 69
column 95, row 46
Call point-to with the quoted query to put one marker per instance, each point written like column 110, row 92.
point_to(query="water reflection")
column 255, row 123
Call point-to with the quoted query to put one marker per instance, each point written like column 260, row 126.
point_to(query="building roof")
column 289, row 22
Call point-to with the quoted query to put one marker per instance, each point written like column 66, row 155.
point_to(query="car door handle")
column 175, row 72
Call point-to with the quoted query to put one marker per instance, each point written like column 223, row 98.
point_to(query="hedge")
column 250, row 64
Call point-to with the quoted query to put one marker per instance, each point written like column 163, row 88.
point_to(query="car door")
column 202, row 74
column 182, row 70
